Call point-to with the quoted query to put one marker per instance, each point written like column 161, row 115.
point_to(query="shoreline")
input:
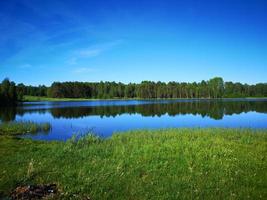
column 37, row 99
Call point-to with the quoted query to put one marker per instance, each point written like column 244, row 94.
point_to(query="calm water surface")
column 105, row 117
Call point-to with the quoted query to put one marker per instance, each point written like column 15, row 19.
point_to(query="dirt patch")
column 34, row 192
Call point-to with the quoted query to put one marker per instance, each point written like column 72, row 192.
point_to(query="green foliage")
column 213, row 88
column 216, row 87
column 8, row 93
column 234, row 90
column 18, row 128
column 144, row 164
column 40, row 90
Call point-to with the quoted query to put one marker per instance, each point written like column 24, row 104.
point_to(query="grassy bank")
column 160, row 164
column 19, row 128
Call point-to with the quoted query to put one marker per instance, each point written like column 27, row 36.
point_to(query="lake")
column 104, row 117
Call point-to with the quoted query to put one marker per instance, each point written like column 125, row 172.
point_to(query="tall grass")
column 144, row 164
column 21, row 127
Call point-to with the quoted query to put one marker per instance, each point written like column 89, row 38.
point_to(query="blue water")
column 105, row 117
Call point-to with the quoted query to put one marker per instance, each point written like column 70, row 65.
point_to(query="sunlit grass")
column 21, row 127
column 144, row 164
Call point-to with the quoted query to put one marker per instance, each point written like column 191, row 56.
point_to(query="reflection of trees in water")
column 7, row 114
column 212, row 109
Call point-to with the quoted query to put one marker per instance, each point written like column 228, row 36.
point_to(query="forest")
column 213, row 88
column 8, row 93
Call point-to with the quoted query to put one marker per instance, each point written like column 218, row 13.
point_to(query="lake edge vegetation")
column 210, row 163
column 22, row 127
column 213, row 88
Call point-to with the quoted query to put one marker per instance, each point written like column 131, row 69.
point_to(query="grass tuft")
column 19, row 128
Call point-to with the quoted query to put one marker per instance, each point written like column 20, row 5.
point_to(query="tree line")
column 8, row 93
column 213, row 88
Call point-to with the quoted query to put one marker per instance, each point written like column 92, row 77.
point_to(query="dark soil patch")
column 34, row 191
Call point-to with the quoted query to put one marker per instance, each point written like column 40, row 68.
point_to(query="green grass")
column 144, row 164
column 19, row 128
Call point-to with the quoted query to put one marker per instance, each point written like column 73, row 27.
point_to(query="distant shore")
column 43, row 98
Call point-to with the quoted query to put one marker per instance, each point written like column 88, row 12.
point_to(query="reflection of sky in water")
column 63, row 128
column 63, row 104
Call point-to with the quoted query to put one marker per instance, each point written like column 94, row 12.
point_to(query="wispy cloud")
column 92, row 51
column 81, row 70
column 25, row 66
column 98, row 49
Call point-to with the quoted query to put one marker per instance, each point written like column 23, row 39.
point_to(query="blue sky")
column 130, row 41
